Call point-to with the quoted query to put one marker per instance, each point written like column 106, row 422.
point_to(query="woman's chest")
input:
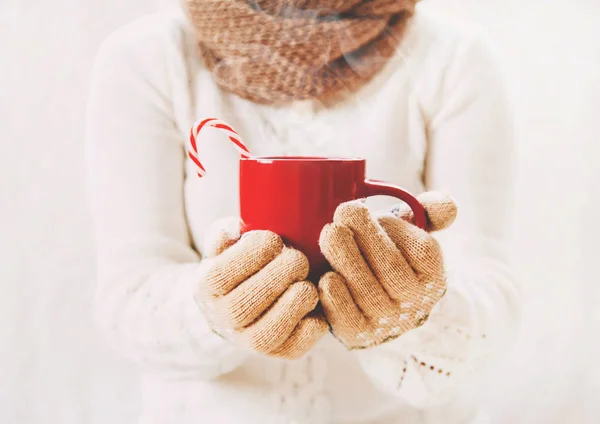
column 387, row 131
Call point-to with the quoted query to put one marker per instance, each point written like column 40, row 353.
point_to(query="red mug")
column 296, row 197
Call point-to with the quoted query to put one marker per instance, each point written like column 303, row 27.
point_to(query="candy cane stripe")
column 233, row 136
column 193, row 140
column 201, row 125
column 225, row 127
column 196, row 161
column 212, row 122
column 204, row 122
column 243, row 150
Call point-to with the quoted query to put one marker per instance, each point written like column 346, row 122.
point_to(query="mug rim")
column 271, row 159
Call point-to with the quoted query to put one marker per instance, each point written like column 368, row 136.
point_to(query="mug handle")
column 381, row 188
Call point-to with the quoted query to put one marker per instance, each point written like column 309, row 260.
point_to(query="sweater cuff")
column 219, row 353
column 427, row 364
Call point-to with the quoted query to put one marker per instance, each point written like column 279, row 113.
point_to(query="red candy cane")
column 223, row 126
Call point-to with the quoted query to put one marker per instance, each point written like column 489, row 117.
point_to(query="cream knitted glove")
column 389, row 274
column 253, row 292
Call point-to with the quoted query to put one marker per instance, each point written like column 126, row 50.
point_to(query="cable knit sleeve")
column 147, row 270
column 470, row 156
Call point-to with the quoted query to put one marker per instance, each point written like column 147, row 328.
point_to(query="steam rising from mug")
column 276, row 51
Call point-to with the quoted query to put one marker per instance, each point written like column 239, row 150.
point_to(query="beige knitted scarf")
column 276, row 51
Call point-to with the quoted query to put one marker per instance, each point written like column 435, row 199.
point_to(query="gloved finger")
column 252, row 297
column 420, row 249
column 305, row 336
column 440, row 209
column 341, row 251
column 278, row 323
column 221, row 235
column 246, row 257
column 343, row 315
column 381, row 254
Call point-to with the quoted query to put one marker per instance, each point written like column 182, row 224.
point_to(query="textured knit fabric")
column 435, row 118
column 274, row 51
column 388, row 273
column 253, row 291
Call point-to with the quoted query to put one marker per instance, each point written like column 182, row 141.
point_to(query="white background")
column 55, row 369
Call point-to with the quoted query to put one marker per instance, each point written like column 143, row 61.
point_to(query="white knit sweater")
column 436, row 118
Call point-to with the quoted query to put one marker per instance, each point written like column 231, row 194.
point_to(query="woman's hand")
column 254, row 292
column 389, row 274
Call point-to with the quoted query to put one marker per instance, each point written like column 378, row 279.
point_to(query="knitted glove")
column 389, row 274
column 253, row 292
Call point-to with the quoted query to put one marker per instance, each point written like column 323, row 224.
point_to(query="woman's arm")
column 147, row 271
column 470, row 156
